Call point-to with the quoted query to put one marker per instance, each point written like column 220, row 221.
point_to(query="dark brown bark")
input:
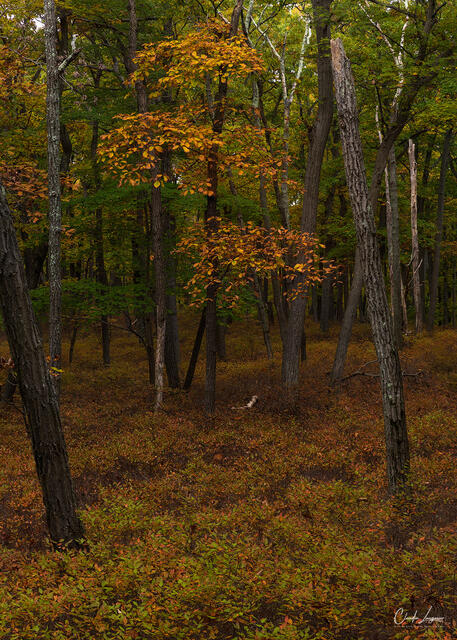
column 397, row 446
column 101, row 274
column 445, row 156
column 218, row 109
column 9, row 387
column 296, row 318
column 195, row 351
column 37, row 391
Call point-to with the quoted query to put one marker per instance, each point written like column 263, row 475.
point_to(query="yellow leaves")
column 157, row 184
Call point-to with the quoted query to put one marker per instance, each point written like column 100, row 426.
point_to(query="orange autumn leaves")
column 188, row 65
column 240, row 251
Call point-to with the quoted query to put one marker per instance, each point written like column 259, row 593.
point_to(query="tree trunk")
column 293, row 335
column 397, row 447
column 37, row 391
column 393, row 240
column 195, row 351
column 445, row 157
column 55, row 205
column 101, row 275
column 348, row 320
column 160, row 294
column 9, row 388
column 399, row 117
column 221, row 331
column 415, row 264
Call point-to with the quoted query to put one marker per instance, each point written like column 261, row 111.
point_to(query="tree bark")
column 38, row 394
column 415, row 264
column 393, row 244
column 293, row 334
column 397, row 447
column 101, row 274
column 211, row 225
column 399, row 117
column 445, row 157
column 195, row 351
column 160, row 294
column 55, row 205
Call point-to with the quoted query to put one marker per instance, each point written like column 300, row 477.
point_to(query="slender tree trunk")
column 415, row 264
column 55, row 205
column 293, row 336
column 393, row 239
column 160, row 294
column 211, row 225
column 195, row 351
column 397, row 447
column 172, row 351
column 445, row 157
column 37, row 391
column 101, row 274
column 348, row 320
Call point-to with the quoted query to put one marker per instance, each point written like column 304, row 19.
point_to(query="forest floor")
column 268, row 523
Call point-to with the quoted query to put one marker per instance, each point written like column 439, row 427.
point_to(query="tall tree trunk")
column 415, row 264
column 293, row 335
column 55, row 205
column 393, row 240
column 399, row 117
column 160, row 294
column 195, row 351
column 445, row 157
column 101, row 274
column 397, row 447
column 38, row 395
column 218, row 109
column 172, row 351
column 348, row 320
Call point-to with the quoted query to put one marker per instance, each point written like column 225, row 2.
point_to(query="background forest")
column 234, row 225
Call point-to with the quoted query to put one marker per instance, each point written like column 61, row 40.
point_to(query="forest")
column 228, row 335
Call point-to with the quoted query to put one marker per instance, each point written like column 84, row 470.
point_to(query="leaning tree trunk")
column 55, row 205
column 445, row 157
column 396, row 435
column 415, row 264
column 399, row 118
column 294, row 330
column 38, row 395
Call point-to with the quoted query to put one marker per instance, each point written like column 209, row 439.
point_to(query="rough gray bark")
column 398, row 119
column 55, row 205
column 296, row 318
column 445, row 157
column 397, row 447
column 415, row 264
column 37, row 391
